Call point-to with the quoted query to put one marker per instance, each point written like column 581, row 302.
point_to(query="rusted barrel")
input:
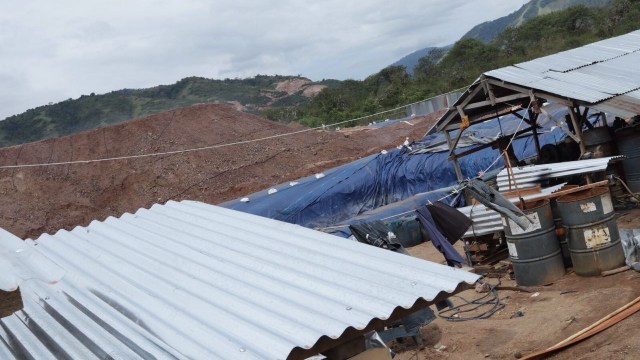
column 535, row 252
column 592, row 232
column 561, row 233
column 628, row 143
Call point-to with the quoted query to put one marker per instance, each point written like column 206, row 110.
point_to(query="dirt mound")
column 44, row 199
column 299, row 85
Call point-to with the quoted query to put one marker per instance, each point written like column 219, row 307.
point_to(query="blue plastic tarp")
column 346, row 193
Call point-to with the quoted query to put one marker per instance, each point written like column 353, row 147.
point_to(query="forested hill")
column 91, row 111
column 487, row 31
column 287, row 98
column 466, row 60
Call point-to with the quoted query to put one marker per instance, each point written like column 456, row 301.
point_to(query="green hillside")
column 91, row 111
column 468, row 58
column 439, row 72
column 489, row 30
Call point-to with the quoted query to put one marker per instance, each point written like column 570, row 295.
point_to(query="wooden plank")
column 464, row 102
column 497, row 100
column 528, row 191
column 456, row 165
column 483, row 146
column 455, row 143
column 565, row 192
column 602, row 324
column 577, row 127
column 525, row 90
column 489, row 91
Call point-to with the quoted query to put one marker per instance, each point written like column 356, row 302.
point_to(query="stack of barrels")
column 588, row 235
column 591, row 230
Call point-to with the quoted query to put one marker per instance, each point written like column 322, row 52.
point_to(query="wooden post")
column 534, row 126
column 577, row 127
column 456, row 165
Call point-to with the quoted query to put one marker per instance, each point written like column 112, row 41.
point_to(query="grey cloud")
column 71, row 47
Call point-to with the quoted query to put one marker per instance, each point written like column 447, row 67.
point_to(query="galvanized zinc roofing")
column 591, row 73
column 191, row 280
column 603, row 75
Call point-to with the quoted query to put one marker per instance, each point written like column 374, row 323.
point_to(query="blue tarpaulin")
column 344, row 194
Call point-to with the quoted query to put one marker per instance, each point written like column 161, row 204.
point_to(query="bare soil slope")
column 45, row 199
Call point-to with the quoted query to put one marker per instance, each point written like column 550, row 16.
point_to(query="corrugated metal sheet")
column 584, row 73
column 191, row 280
column 530, row 176
column 19, row 262
column 593, row 74
column 487, row 221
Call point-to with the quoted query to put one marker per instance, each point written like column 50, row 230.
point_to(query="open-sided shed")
column 603, row 76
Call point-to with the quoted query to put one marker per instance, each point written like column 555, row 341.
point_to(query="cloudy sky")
column 55, row 50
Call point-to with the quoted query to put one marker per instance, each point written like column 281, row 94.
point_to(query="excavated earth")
column 45, row 199
column 36, row 200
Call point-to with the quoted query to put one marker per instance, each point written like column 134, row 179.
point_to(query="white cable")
column 457, row 190
column 173, row 152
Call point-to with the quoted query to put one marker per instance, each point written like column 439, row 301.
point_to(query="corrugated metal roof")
column 19, row 262
column 531, row 175
column 487, row 221
column 624, row 106
column 592, row 75
column 583, row 73
column 191, row 280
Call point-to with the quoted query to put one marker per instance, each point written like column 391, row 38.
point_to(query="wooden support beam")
column 478, row 118
column 462, row 105
column 524, row 90
column 577, row 128
column 483, row 146
column 534, row 127
column 456, row 165
column 455, row 143
column 489, row 91
column 496, row 100
column 561, row 125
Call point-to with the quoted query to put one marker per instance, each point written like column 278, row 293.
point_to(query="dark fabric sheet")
column 439, row 241
column 451, row 222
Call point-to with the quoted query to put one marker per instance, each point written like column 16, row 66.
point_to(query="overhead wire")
column 217, row 146
column 455, row 191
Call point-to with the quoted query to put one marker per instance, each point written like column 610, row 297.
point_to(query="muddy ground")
column 559, row 311
column 45, row 199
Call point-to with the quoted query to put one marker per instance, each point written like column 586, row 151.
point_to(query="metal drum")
column 598, row 142
column 535, row 252
column 627, row 140
column 592, row 232
column 561, row 233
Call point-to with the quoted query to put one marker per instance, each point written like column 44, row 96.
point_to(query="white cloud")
column 54, row 50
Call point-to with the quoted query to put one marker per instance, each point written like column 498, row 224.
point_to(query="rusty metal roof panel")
column 191, row 280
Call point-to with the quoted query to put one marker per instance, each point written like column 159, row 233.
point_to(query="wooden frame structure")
column 489, row 98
